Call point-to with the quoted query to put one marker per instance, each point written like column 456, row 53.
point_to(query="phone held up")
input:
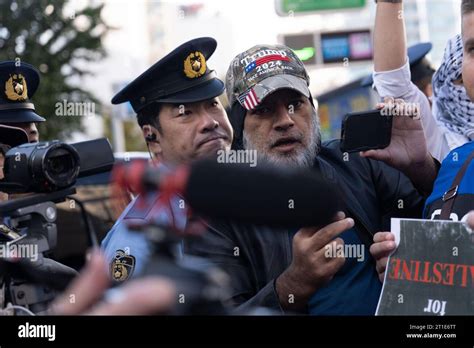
column 366, row 130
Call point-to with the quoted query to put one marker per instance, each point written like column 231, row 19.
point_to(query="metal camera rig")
column 29, row 282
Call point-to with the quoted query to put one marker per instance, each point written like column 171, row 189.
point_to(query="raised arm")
column 389, row 37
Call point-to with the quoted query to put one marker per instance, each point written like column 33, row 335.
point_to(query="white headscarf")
column 454, row 109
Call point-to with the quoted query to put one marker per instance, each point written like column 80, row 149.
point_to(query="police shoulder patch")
column 122, row 266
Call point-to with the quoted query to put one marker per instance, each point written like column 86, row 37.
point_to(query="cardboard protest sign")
column 432, row 270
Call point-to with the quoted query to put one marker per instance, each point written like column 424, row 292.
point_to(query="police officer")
column 181, row 119
column 19, row 81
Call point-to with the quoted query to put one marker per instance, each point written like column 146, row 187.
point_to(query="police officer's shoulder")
column 141, row 206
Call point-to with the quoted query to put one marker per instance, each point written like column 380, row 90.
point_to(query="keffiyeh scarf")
column 455, row 110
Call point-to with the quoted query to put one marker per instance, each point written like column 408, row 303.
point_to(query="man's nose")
column 283, row 118
column 32, row 132
column 208, row 122
column 29, row 128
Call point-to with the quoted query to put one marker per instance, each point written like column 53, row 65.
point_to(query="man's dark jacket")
column 254, row 256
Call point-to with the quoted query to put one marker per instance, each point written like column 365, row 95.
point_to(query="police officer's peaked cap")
column 182, row 76
column 18, row 82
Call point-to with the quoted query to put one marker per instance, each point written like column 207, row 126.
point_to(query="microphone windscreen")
column 262, row 195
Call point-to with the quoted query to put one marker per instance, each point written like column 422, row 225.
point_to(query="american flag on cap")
column 260, row 61
column 249, row 99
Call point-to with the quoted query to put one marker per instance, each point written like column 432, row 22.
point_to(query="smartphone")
column 366, row 130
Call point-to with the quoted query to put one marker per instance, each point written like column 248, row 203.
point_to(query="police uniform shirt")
column 127, row 251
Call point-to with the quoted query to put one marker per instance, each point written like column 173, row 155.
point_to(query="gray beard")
column 304, row 158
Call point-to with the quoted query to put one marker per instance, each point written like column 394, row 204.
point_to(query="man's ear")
column 150, row 134
column 152, row 138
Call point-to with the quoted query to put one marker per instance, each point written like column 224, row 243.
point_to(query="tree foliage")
column 59, row 40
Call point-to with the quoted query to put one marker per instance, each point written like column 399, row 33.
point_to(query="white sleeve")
column 397, row 83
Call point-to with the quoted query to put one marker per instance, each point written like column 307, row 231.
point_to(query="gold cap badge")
column 15, row 88
column 194, row 65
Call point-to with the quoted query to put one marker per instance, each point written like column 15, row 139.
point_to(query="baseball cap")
column 262, row 70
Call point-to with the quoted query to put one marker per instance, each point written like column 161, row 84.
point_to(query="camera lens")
column 59, row 162
column 61, row 165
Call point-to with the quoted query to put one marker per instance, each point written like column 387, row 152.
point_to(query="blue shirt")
column 465, row 191
column 355, row 288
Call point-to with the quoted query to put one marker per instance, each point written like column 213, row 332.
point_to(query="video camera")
column 47, row 171
column 54, row 165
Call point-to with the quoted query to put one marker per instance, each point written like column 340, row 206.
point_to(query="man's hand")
column 407, row 151
column 152, row 295
column 310, row 269
column 384, row 245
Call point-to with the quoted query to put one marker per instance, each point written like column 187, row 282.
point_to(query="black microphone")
column 265, row 194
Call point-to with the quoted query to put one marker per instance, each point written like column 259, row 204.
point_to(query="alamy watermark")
column 28, row 330
column 23, row 251
column 67, row 108
column 237, row 156
column 401, row 109
column 356, row 251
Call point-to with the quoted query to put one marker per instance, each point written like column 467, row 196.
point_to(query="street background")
column 113, row 44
